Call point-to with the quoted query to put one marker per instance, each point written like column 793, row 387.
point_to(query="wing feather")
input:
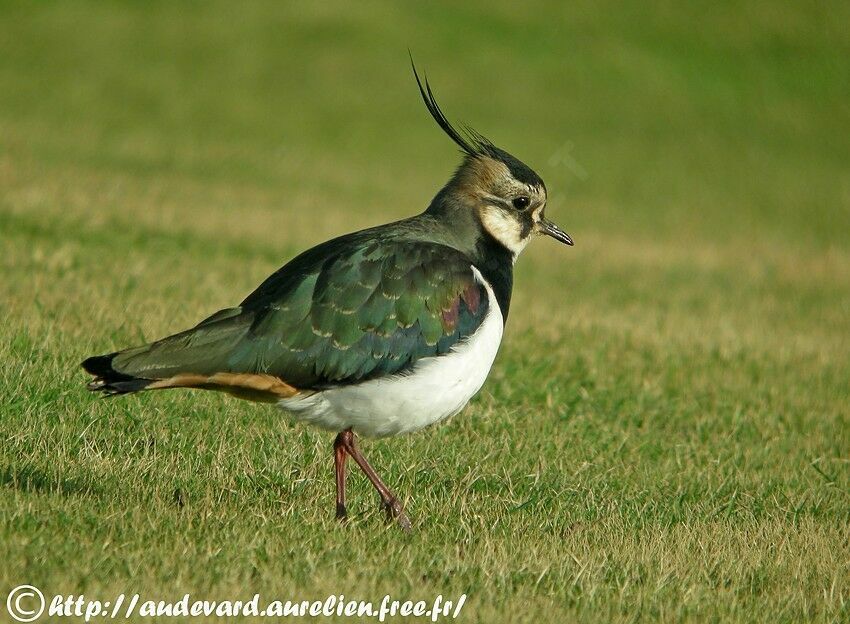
column 337, row 314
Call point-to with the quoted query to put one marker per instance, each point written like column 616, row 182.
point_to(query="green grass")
column 665, row 434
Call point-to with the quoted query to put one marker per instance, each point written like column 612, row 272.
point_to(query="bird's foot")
column 396, row 511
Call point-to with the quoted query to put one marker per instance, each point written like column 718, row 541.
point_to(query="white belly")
column 436, row 388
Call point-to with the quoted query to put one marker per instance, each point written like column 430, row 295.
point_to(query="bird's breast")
column 433, row 389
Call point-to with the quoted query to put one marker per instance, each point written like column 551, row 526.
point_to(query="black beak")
column 550, row 229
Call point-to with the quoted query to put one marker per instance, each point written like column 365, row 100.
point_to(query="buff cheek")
column 507, row 228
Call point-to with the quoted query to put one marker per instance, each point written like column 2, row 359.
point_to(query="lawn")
column 665, row 435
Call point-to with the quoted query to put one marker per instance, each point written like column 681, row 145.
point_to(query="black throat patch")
column 496, row 264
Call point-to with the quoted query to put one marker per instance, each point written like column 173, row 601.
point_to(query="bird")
column 376, row 333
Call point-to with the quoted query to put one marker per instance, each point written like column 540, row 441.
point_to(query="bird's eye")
column 521, row 202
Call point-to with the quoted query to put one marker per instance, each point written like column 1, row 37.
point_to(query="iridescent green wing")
column 372, row 309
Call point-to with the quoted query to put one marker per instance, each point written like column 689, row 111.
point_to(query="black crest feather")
column 469, row 140
column 472, row 142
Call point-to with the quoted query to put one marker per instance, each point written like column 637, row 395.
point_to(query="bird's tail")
column 187, row 359
column 110, row 381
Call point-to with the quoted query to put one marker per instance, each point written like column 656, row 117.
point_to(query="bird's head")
column 505, row 196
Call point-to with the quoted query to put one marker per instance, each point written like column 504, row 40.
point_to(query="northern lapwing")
column 376, row 333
